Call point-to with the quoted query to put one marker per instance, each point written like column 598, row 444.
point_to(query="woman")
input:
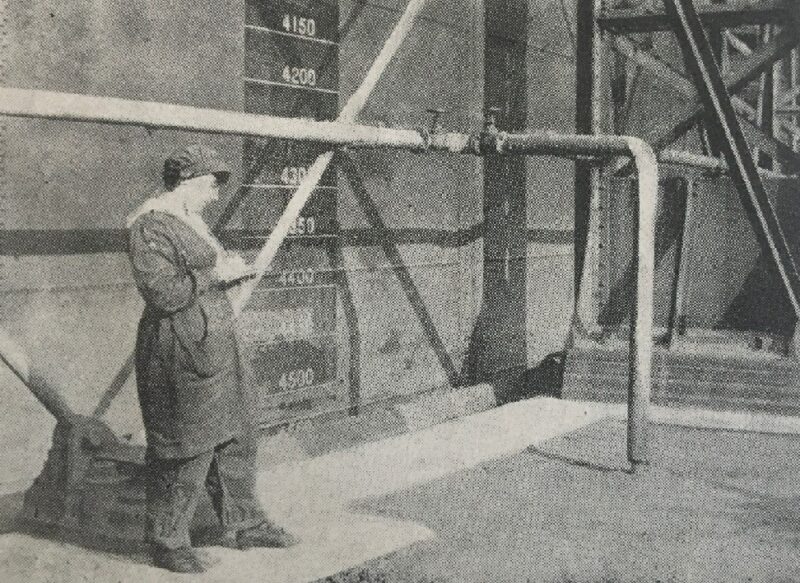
column 194, row 401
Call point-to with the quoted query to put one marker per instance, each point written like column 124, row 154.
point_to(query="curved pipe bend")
column 86, row 108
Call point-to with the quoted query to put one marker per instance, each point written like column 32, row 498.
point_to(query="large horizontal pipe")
column 62, row 106
column 85, row 108
column 110, row 110
column 702, row 162
column 153, row 115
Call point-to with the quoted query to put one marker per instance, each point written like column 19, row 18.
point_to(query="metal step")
column 764, row 382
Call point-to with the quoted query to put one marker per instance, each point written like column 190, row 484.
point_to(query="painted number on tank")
column 296, row 379
column 290, row 323
column 299, row 25
column 302, row 76
column 303, row 226
column 297, row 277
column 293, row 174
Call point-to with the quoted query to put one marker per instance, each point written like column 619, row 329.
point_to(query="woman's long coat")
column 189, row 374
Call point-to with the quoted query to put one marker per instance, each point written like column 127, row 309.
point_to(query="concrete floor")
column 714, row 506
column 532, row 491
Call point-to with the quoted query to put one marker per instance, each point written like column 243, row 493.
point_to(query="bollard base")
column 91, row 490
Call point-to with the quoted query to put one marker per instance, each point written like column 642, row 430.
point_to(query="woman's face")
column 198, row 192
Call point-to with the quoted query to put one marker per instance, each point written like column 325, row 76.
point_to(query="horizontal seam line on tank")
column 53, row 242
column 290, row 85
column 267, row 289
column 289, row 186
column 290, row 34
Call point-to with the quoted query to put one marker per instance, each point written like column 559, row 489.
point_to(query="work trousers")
column 174, row 487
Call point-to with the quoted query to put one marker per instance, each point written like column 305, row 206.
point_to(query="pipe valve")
column 435, row 126
column 490, row 139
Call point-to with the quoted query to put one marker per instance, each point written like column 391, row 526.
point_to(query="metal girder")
column 649, row 15
column 789, row 97
column 701, row 62
column 745, row 72
column 765, row 110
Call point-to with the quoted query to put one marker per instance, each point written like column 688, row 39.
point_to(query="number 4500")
column 296, row 379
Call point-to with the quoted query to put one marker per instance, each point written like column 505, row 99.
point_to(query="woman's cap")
column 196, row 160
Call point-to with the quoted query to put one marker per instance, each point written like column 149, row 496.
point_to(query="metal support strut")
column 700, row 59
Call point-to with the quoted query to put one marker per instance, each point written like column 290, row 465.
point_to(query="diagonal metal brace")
column 700, row 60
column 371, row 212
column 757, row 62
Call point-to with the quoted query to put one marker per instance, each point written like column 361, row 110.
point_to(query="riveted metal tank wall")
column 66, row 291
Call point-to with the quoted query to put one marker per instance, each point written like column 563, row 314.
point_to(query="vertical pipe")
column 588, row 74
column 503, row 342
column 683, row 249
column 641, row 340
column 641, row 335
column 795, row 85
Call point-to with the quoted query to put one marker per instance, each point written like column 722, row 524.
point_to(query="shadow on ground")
column 10, row 505
column 712, row 506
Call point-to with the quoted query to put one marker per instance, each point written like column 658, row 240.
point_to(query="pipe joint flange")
column 427, row 138
column 713, row 173
column 500, row 142
column 474, row 143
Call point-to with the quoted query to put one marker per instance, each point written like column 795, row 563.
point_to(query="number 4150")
column 299, row 25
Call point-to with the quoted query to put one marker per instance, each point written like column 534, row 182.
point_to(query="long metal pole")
column 700, row 161
column 304, row 190
column 641, row 340
column 44, row 389
column 31, row 104
column 351, row 109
